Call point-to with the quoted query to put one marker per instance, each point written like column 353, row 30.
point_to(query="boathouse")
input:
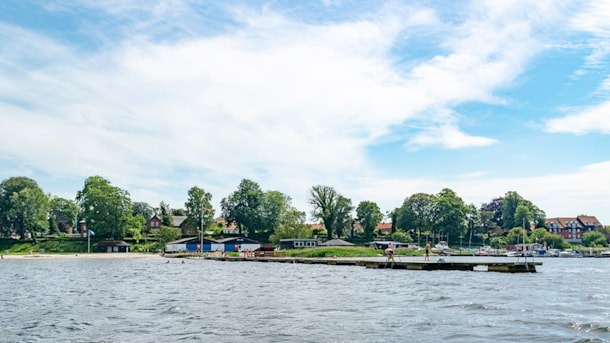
column 192, row 244
column 235, row 244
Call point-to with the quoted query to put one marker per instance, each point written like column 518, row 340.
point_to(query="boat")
column 604, row 254
column 569, row 253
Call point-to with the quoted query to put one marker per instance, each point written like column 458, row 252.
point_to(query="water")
column 145, row 300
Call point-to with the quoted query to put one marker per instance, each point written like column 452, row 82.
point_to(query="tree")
column 523, row 217
column 242, row 206
column 495, row 208
column 199, row 208
column 509, row 205
column 332, row 208
column 594, row 239
column 474, row 223
column 143, row 209
column 165, row 212
column 62, row 214
column 417, row 213
column 23, row 207
column 105, row 208
column 369, row 215
column 515, row 236
column 292, row 225
column 343, row 219
column 167, row 234
column 450, row 213
column 135, row 226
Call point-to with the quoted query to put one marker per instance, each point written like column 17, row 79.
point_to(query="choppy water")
column 145, row 300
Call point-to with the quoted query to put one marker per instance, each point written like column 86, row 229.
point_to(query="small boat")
column 604, row 254
column 569, row 253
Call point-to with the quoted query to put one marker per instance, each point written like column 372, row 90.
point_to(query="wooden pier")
column 502, row 267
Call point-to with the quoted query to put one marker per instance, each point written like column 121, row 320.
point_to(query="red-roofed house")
column 572, row 228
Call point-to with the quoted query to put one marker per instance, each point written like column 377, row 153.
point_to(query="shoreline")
column 82, row 256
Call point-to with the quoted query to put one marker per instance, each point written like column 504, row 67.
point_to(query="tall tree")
column 106, row 208
column 369, row 215
column 23, row 207
column 495, row 208
column 343, row 219
column 63, row 213
column 450, row 214
column 143, row 209
column 473, row 222
column 199, row 208
column 242, row 206
column 510, row 203
column 323, row 199
column 165, row 212
column 418, row 212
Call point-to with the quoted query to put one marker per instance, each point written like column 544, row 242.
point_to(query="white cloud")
column 587, row 120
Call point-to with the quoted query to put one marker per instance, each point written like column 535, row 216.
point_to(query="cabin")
column 296, row 243
column 112, row 246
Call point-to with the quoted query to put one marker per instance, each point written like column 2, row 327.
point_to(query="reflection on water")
column 146, row 300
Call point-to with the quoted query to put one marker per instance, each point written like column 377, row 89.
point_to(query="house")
column 227, row 229
column 154, row 223
column 235, row 244
column 112, row 246
column 192, row 244
column 295, row 243
column 571, row 228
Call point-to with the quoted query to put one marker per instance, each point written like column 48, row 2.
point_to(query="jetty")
column 502, row 267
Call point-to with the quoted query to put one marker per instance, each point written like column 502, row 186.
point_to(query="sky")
column 378, row 99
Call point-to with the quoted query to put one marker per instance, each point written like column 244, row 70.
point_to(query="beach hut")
column 111, row 246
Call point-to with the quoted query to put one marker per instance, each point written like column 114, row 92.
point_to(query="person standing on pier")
column 390, row 252
column 427, row 252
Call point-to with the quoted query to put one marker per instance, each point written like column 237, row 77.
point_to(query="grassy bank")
column 63, row 245
column 346, row 252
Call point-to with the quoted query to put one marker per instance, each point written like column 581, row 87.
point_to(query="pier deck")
column 503, row 267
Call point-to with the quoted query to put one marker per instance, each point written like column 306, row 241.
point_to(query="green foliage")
column 23, row 207
column 515, row 236
column 199, row 208
column 369, row 215
column 167, row 234
column 594, row 239
column 332, row 208
column 143, row 209
column 417, row 213
column 242, row 206
column 334, row 251
column 165, row 213
column 450, row 214
column 498, row 242
column 62, row 214
column 105, row 208
column 400, row 236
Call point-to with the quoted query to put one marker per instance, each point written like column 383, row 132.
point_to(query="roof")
column 336, row 242
column 238, row 240
column 178, row 220
column 191, row 240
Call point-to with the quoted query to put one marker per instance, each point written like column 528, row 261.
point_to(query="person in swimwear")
column 390, row 252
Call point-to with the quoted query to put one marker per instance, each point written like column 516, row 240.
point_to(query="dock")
column 502, row 267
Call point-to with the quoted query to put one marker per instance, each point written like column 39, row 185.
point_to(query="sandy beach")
column 79, row 256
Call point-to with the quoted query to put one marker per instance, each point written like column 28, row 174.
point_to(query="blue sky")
column 380, row 100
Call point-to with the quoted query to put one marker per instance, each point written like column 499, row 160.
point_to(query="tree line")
column 268, row 216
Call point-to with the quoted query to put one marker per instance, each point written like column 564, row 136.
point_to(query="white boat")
column 604, row 254
column 569, row 253
column 441, row 246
